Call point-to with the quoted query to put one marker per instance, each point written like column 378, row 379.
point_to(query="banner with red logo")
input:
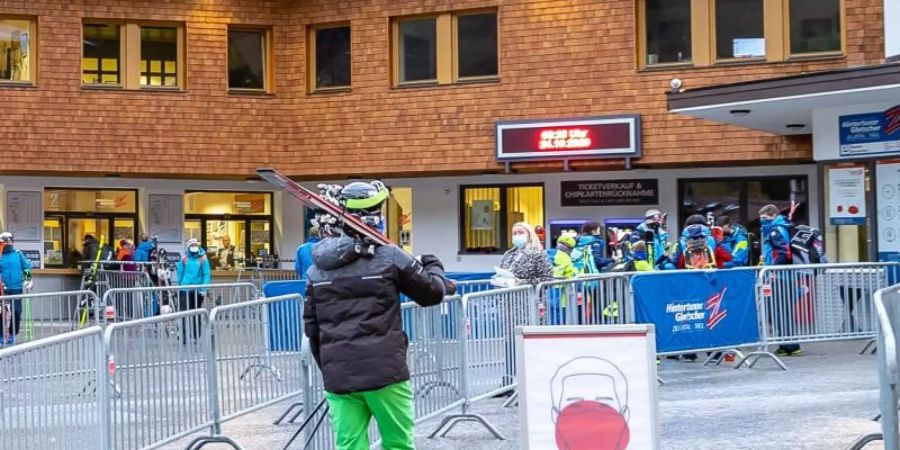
column 696, row 310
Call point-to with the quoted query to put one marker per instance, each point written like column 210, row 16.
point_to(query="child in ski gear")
column 304, row 253
column 638, row 257
column 562, row 259
column 526, row 260
column 193, row 269
column 736, row 241
column 352, row 319
column 696, row 248
column 125, row 253
column 807, row 246
column 590, row 250
column 775, row 231
column 722, row 255
column 653, row 232
column 15, row 275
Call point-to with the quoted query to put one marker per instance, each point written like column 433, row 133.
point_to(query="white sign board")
column 166, row 217
column 847, row 195
column 24, row 216
column 888, row 200
column 588, row 387
column 482, row 215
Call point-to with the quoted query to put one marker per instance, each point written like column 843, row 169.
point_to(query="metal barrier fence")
column 589, row 300
column 260, row 276
column 137, row 303
column 819, row 302
column 887, row 308
column 52, row 313
column 51, row 393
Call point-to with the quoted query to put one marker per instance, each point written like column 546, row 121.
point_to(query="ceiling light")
column 740, row 112
column 795, row 126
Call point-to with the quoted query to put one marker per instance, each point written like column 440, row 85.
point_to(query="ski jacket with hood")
column 304, row 257
column 13, row 267
column 352, row 312
column 193, row 269
column 776, row 241
column 91, row 247
column 738, row 245
column 143, row 251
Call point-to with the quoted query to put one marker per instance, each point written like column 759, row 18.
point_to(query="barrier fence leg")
column 753, row 357
column 298, row 406
column 872, row 344
column 512, row 400
column 865, row 440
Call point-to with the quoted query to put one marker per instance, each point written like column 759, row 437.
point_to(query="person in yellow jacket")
column 563, row 267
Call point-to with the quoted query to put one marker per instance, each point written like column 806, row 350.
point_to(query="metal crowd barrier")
column 49, row 396
column 52, row 313
column 260, row 276
column 887, row 309
column 137, row 303
column 590, row 300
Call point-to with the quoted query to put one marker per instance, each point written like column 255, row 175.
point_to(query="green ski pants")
column 392, row 407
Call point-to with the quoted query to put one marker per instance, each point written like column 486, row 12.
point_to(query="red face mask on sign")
column 590, row 425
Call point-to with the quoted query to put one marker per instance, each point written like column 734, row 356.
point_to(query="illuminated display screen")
column 600, row 137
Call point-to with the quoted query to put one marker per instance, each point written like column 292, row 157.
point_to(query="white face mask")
column 520, row 240
column 194, row 249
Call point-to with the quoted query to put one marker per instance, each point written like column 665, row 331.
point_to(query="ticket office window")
column 234, row 228
column 71, row 214
column 741, row 199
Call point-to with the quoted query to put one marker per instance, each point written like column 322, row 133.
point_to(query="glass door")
column 78, row 228
column 225, row 243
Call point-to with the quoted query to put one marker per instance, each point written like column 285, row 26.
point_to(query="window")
column 446, row 48
column 17, row 61
column 330, row 61
column 132, row 55
column 476, row 45
column 399, row 217
column 70, row 214
column 488, row 212
column 247, row 58
column 815, row 26
column 708, row 32
column 668, row 31
column 101, row 54
column 418, row 50
column 159, row 56
column 741, row 199
column 739, row 29
column 236, row 228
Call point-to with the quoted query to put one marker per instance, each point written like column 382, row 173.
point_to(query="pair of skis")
column 85, row 305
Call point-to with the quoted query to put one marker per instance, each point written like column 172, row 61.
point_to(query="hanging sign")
column 867, row 134
column 597, row 137
column 847, row 195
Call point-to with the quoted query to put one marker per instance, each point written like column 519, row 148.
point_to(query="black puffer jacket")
column 352, row 312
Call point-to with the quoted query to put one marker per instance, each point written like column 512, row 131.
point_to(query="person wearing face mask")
column 192, row 270
column 653, row 232
column 526, row 260
column 775, row 233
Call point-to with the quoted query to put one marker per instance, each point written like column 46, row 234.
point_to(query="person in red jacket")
column 721, row 253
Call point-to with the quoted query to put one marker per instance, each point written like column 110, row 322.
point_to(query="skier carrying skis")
column 352, row 318
column 15, row 276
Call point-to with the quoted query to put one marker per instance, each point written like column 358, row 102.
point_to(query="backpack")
column 697, row 254
column 583, row 259
column 807, row 245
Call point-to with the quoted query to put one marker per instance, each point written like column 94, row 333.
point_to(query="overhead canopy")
column 784, row 106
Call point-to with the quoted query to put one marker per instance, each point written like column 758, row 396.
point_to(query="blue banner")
column 285, row 317
column 876, row 133
column 695, row 310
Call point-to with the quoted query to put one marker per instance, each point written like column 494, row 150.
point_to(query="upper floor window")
column 101, row 59
column 815, row 26
column 330, row 62
column 248, row 55
column 132, row 55
column 446, row 48
column 706, row 32
column 17, row 60
column 668, row 29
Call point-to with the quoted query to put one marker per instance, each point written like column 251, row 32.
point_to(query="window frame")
column 311, row 39
column 455, row 43
column 268, row 59
column 446, row 48
column 66, row 215
column 130, row 54
column 776, row 31
column 503, row 235
column 32, row 50
column 246, row 218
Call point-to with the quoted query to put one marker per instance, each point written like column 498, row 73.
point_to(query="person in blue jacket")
column 591, row 242
column 192, row 270
column 653, row 232
column 144, row 249
column 15, row 274
column 304, row 253
column 736, row 241
column 775, row 233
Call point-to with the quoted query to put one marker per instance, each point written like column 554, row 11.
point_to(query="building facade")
column 128, row 116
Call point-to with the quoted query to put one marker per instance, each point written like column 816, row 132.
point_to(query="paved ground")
column 823, row 402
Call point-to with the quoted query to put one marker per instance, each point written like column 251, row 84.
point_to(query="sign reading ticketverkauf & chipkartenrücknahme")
column 610, row 192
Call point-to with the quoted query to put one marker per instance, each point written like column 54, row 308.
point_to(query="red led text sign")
column 602, row 137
